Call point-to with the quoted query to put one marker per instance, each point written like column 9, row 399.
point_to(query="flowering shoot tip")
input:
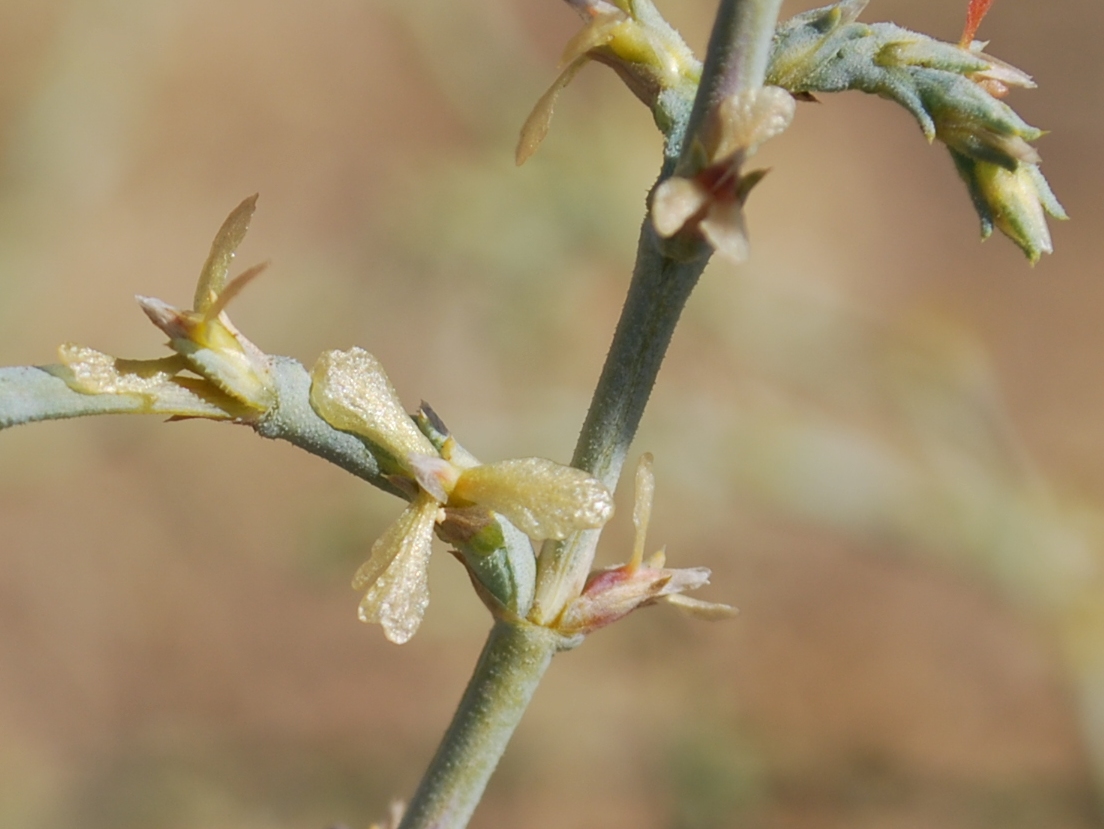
column 953, row 90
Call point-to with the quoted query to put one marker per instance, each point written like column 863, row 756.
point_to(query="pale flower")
column 613, row 593
column 204, row 336
column 709, row 196
column 234, row 376
column 351, row 391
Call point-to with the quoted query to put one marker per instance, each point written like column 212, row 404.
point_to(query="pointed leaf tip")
column 536, row 125
column 975, row 13
column 212, row 279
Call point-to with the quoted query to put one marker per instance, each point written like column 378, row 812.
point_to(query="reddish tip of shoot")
column 975, row 13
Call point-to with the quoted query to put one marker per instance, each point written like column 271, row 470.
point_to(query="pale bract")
column 155, row 383
column 352, row 392
column 541, row 498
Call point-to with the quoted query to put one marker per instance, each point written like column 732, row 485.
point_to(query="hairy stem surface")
column 657, row 294
column 513, row 661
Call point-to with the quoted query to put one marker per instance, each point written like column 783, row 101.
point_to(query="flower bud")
column 1014, row 201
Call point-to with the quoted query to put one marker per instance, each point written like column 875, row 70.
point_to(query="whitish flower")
column 633, row 39
column 615, row 592
column 204, row 336
column 543, row 499
column 234, row 375
column 707, row 194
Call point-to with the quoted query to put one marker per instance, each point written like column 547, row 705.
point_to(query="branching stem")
column 516, row 655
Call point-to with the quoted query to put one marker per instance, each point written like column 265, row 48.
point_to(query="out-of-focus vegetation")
column 882, row 436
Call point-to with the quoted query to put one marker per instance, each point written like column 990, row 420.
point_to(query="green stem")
column 739, row 50
column 737, row 58
column 512, row 663
column 517, row 654
column 657, row 294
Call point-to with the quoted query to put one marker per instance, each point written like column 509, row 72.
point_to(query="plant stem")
column 513, row 661
column 739, row 49
column 518, row 653
column 657, row 294
column 737, row 58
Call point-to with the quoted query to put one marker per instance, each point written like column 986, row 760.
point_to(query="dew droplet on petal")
column 351, row 391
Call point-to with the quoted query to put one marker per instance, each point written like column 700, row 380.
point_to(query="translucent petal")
column 396, row 574
column 416, row 521
column 674, row 202
column 536, row 125
column 750, row 117
column 155, row 383
column 350, row 390
column 212, row 279
column 94, row 372
column 541, row 498
column 642, row 507
column 724, row 227
column 706, row 611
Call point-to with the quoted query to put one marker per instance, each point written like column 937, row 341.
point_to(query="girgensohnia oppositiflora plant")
column 713, row 115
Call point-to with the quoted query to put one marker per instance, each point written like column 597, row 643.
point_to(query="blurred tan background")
column 885, row 438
